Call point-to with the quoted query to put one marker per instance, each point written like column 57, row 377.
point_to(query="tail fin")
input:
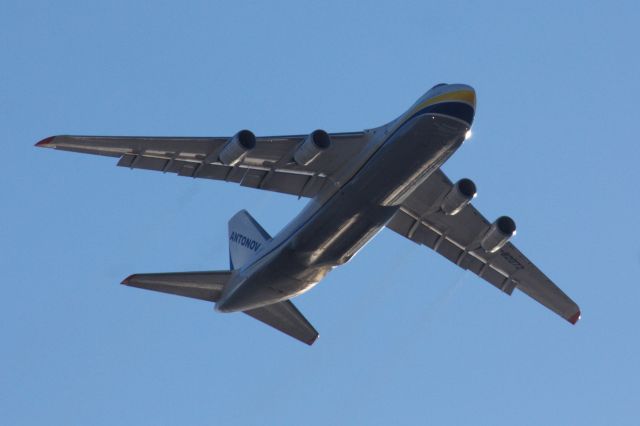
column 246, row 238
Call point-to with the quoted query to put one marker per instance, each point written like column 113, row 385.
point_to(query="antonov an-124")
column 357, row 183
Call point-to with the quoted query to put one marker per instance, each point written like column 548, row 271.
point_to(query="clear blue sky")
column 405, row 337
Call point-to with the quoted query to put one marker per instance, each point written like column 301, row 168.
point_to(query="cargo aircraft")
column 357, row 183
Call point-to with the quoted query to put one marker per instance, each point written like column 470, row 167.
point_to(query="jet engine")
column 314, row 144
column 498, row 234
column 237, row 147
column 458, row 197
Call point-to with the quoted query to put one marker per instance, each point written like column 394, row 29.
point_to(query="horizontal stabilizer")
column 284, row 316
column 206, row 285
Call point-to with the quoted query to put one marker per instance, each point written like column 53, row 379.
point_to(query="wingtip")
column 575, row 318
column 313, row 340
column 127, row 280
column 46, row 142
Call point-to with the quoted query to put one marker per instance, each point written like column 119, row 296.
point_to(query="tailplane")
column 285, row 317
column 207, row 285
column 246, row 238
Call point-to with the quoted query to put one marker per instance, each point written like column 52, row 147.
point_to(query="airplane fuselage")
column 340, row 220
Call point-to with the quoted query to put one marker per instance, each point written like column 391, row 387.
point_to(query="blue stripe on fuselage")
column 460, row 110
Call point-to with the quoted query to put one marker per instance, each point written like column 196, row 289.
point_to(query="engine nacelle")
column 317, row 142
column 458, row 197
column 237, row 147
column 498, row 234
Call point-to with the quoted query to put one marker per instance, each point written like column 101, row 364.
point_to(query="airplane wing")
column 268, row 166
column 457, row 238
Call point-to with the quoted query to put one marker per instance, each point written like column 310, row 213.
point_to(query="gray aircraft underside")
column 358, row 183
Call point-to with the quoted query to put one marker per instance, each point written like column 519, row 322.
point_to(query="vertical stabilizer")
column 246, row 239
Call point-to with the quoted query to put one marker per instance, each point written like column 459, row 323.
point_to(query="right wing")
column 457, row 237
column 268, row 166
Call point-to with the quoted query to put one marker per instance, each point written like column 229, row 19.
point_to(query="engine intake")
column 314, row 144
column 458, row 197
column 237, row 147
column 498, row 234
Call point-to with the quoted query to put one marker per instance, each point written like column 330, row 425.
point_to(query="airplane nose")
column 454, row 100
column 453, row 92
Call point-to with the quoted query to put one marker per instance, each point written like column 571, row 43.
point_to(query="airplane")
column 358, row 183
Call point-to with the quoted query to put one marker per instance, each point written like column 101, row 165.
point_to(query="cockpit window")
column 438, row 85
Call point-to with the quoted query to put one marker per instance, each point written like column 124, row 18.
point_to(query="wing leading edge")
column 456, row 238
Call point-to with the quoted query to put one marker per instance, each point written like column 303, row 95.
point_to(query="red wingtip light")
column 44, row 143
column 574, row 319
column 126, row 280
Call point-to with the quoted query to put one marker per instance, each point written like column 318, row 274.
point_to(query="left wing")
column 457, row 237
column 268, row 166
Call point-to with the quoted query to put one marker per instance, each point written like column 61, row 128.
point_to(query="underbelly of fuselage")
column 353, row 215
